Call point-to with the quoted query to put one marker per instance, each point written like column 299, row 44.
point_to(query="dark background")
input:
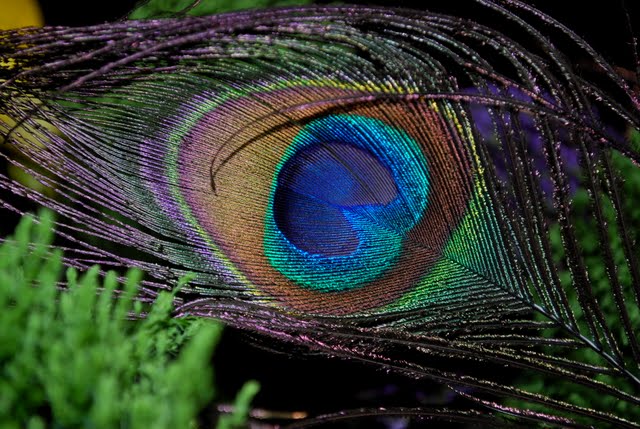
column 600, row 23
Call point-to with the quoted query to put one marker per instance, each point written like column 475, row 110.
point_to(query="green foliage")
column 72, row 359
column 587, row 231
column 241, row 410
column 164, row 8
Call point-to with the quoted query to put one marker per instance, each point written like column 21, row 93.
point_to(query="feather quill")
column 326, row 175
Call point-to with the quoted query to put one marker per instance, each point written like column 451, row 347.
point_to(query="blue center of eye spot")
column 344, row 196
column 318, row 185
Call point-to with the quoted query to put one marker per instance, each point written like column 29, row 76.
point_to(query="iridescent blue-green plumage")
column 349, row 188
column 393, row 186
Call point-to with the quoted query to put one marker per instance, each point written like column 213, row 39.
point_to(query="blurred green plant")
column 72, row 359
column 586, row 229
column 165, row 8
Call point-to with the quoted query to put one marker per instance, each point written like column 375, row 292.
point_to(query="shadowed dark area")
column 77, row 12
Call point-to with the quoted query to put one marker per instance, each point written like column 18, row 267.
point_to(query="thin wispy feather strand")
column 324, row 174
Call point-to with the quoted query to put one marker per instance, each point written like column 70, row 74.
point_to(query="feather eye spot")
column 317, row 185
column 341, row 205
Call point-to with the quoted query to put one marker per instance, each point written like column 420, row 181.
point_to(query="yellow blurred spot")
column 26, row 135
column 28, row 141
column 20, row 13
column 9, row 63
column 17, row 14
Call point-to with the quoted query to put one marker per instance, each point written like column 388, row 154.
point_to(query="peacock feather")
column 385, row 185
